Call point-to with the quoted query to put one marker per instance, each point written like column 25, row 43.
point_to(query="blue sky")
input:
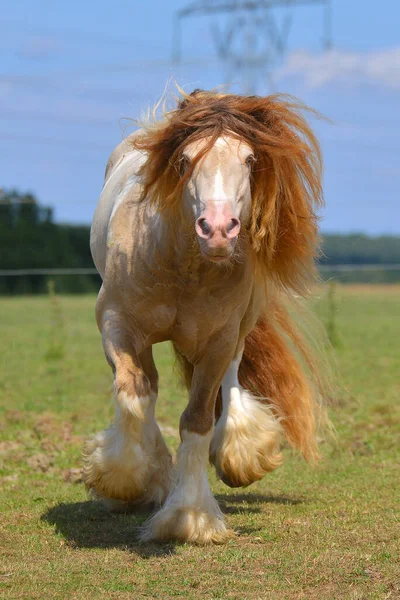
column 70, row 71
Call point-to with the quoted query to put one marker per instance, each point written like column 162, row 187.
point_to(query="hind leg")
column 245, row 444
column 128, row 462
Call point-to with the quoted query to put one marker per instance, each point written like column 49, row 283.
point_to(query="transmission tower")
column 252, row 42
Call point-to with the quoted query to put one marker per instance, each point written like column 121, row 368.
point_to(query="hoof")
column 241, row 474
column 228, row 482
column 186, row 524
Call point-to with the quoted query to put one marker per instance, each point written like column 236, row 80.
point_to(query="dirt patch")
column 39, row 462
column 8, row 446
column 49, row 446
column 73, row 476
column 67, row 430
column 14, row 416
column 45, row 426
column 47, row 430
column 7, row 479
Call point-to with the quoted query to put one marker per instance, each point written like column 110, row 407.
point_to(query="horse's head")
column 218, row 194
column 200, row 164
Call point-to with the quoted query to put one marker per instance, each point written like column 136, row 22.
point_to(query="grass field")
column 330, row 532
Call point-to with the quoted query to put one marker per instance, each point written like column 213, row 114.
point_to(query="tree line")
column 30, row 239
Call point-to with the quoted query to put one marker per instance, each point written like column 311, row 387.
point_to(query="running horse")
column 205, row 229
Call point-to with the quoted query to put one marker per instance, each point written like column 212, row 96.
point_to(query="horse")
column 206, row 229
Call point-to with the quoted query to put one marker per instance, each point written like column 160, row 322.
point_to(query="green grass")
column 330, row 532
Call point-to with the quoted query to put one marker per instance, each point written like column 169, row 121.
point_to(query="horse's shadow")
column 89, row 525
column 238, row 503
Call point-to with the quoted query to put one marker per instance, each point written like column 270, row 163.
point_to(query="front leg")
column 128, row 462
column 246, row 439
column 191, row 513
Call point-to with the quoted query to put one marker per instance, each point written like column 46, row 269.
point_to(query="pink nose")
column 228, row 228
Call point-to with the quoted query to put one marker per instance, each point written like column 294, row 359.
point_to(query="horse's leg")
column 245, row 445
column 158, row 487
column 128, row 462
column 190, row 512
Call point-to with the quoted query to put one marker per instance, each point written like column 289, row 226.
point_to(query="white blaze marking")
column 219, row 192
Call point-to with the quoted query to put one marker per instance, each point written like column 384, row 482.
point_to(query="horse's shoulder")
column 120, row 178
column 124, row 148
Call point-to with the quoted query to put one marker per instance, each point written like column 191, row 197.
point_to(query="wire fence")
column 29, row 272
column 340, row 268
column 346, row 268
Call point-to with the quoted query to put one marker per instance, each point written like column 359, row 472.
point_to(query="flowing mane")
column 286, row 178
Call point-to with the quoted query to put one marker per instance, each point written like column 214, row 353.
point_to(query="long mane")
column 286, row 178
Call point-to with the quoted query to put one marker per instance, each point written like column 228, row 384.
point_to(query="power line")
column 77, row 144
column 221, row 6
column 41, row 83
column 40, row 139
column 12, row 27
column 140, row 64
column 77, row 160
column 11, row 115
column 14, row 115
column 252, row 21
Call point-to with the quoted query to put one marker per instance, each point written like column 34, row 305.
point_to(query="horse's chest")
column 169, row 310
column 187, row 317
column 202, row 313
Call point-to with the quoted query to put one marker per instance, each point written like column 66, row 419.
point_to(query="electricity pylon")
column 252, row 41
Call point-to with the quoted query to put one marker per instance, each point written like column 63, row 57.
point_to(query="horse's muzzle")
column 217, row 235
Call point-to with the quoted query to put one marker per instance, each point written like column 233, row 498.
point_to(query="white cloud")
column 381, row 67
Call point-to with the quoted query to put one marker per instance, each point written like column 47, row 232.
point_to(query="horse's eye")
column 184, row 165
column 250, row 160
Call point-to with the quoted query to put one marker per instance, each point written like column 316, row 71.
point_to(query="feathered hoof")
column 245, row 445
column 108, row 476
column 151, row 497
column 186, row 524
column 241, row 473
column 122, row 476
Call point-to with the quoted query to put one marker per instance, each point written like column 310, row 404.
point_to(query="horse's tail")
column 281, row 367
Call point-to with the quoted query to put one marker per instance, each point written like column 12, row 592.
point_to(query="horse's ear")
column 183, row 103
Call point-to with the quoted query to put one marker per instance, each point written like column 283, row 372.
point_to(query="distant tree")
column 357, row 249
column 29, row 239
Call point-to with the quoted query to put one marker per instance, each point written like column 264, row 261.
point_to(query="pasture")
column 328, row 532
